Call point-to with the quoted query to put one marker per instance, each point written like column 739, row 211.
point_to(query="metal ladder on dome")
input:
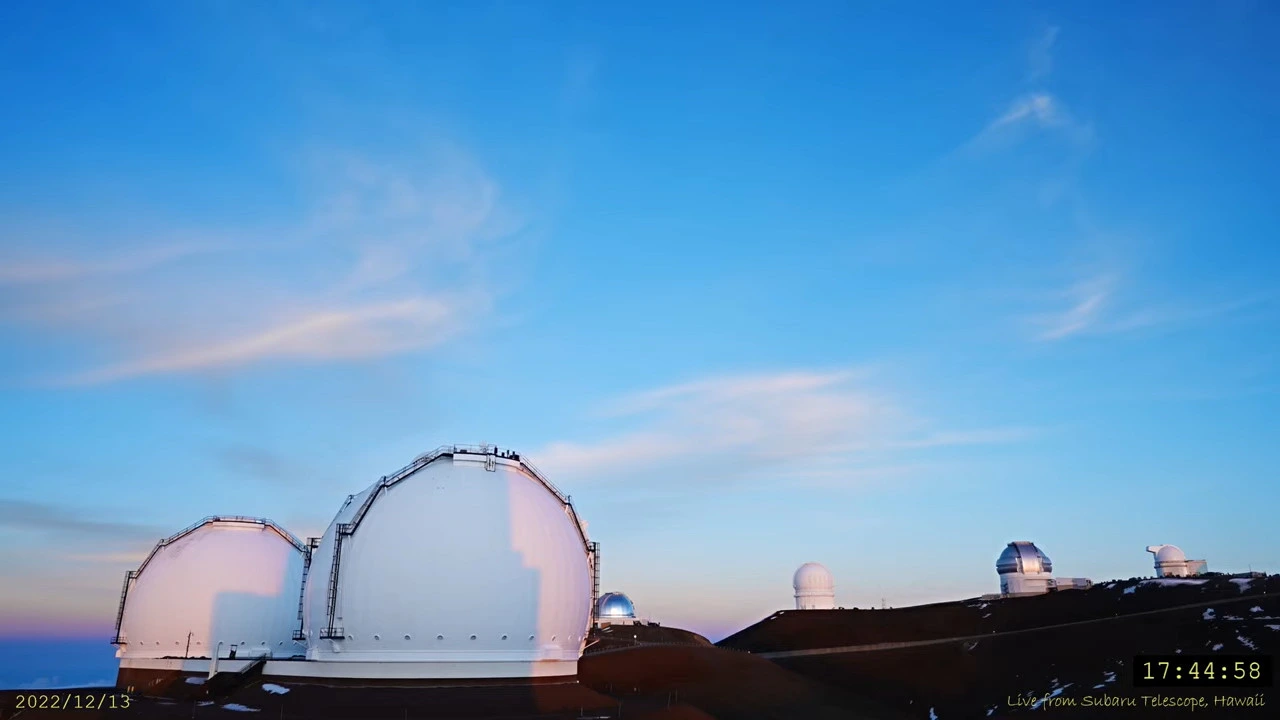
column 124, row 594
column 594, row 548
column 331, row 631
column 312, row 544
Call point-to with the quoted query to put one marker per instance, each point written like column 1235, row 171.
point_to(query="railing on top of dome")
column 262, row 522
column 427, row 458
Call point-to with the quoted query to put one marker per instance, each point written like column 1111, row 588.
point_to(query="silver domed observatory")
column 1025, row 569
column 615, row 608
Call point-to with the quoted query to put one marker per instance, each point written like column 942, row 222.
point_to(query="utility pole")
column 187, row 654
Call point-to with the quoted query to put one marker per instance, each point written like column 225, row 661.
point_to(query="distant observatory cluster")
column 467, row 563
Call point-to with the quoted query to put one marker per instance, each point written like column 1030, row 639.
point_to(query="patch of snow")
column 1130, row 590
column 1053, row 694
column 1232, row 617
column 1217, row 647
column 1177, row 652
column 195, row 681
column 1242, row 582
column 1255, row 609
column 932, row 715
column 237, row 707
column 1209, row 614
column 202, row 703
column 1168, row 582
column 1273, row 627
column 275, row 689
column 1110, row 676
column 987, row 615
column 992, row 710
column 1247, row 642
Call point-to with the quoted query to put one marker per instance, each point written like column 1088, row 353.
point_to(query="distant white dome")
column 466, row 563
column 232, row 580
column 813, row 576
column 1170, row 560
column 815, row 587
column 616, row 605
column 1168, row 553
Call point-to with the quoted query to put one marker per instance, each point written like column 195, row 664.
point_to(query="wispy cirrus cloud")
column 1099, row 305
column 35, row 268
column 387, row 260
column 829, row 426
column 58, row 520
column 1040, row 54
column 1086, row 306
column 1035, row 112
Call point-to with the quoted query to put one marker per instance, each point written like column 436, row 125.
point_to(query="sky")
column 882, row 286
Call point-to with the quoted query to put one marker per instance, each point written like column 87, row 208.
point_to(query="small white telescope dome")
column 814, row 586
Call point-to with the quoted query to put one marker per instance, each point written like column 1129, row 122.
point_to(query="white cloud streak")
column 1096, row 306
column 387, row 263
column 793, row 424
column 1088, row 300
column 1040, row 55
column 1034, row 112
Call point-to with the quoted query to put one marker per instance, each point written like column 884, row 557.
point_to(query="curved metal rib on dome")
column 491, row 454
column 491, row 451
column 132, row 575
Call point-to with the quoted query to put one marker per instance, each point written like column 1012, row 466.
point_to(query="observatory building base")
column 141, row 672
column 402, row 670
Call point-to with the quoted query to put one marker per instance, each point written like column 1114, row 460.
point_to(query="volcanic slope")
column 996, row 658
column 671, row 674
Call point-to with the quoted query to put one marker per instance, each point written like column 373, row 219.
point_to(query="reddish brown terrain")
column 980, row 659
column 1070, row 645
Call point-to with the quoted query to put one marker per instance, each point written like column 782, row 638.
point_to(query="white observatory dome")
column 1170, row 560
column 814, row 586
column 1023, row 557
column 615, row 606
column 232, row 581
column 466, row 563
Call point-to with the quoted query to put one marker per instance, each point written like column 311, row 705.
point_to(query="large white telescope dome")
column 223, row 582
column 814, row 586
column 466, row 563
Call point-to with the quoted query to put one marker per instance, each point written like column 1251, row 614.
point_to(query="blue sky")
column 880, row 287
